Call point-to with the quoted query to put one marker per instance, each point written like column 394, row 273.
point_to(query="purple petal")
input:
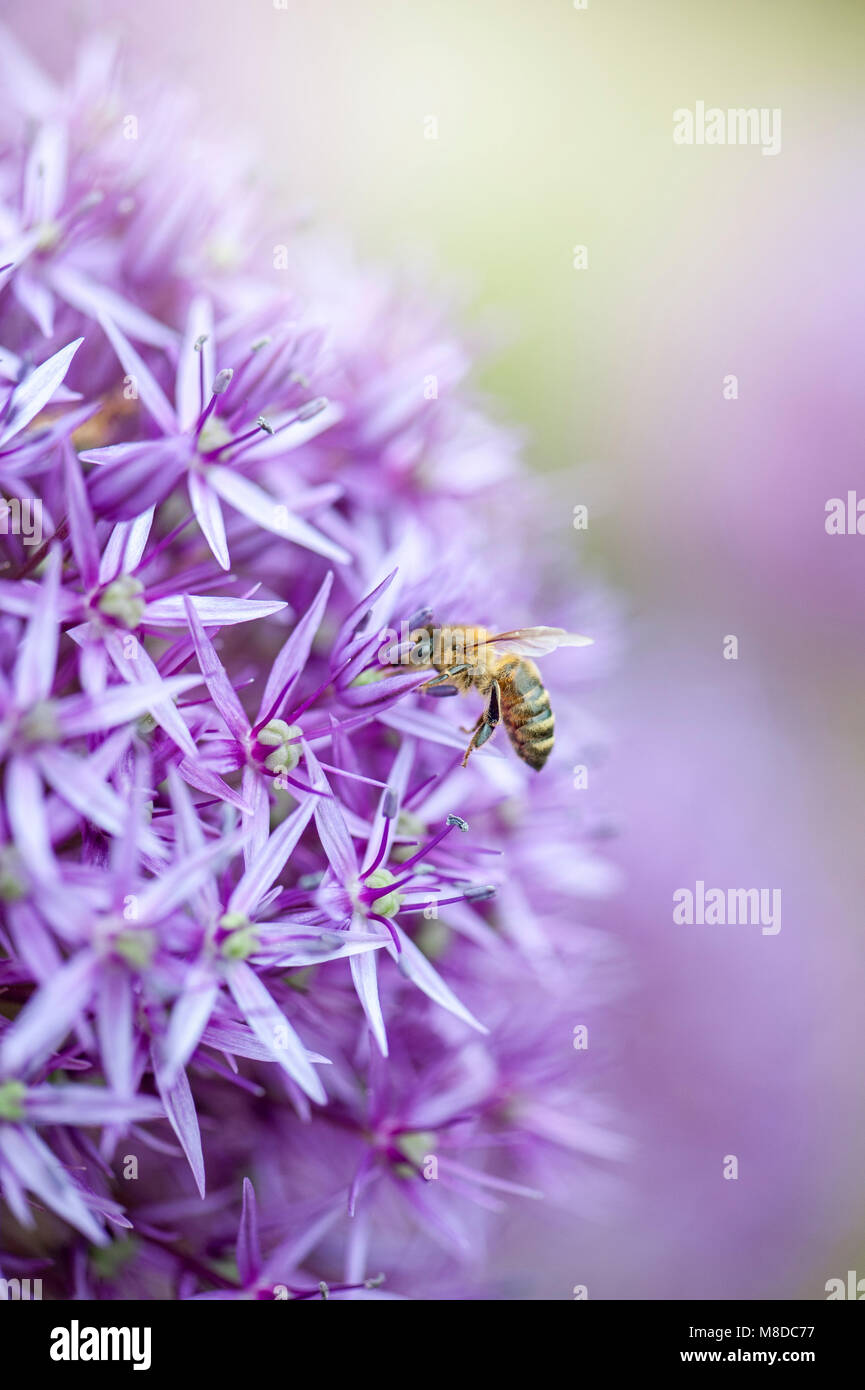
column 384, row 692
column 36, row 390
column 247, row 497
column 87, row 714
column 292, row 432
column 49, row 1015
column 97, row 301
column 149, row 391
column 25, row 86
column 41, row 1172
column 177, row 884
column 394, row 791
column 353, row 945
column 330, row 823
column 82, row 532
column 134, row 477
column 213, row 612
column 143, row 671
column 45, row 174
column 125, row 546
column 414, row 964
column 76, row 783
column 194, row 363
column 358, row 615
column 293, row 656
column 272, row 1028
column 36, row 301
column 114, row 1021
column 25, row 809
column 189, row 1018
column 87, row 1105
column 365, row 976
column 34, row 667
column 180, row 1109
column 258, row 822
column 208, row 514
column 265, row 866
column 205, row 780
column 248, row 1248
column 213, row 671
column 33, row 941
column 425, row 726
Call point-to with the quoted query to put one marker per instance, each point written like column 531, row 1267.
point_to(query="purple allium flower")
column 287, row 996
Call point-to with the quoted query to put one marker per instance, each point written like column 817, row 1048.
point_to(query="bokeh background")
column 706, row 517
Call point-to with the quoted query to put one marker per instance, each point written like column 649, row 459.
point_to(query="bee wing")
column 537, row 641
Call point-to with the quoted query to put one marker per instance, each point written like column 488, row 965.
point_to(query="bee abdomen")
column 529, row 720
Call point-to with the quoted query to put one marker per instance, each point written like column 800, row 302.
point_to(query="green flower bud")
column 281, row 737
column 121, row 599
column 242, row 939
column 214, row 435
column 416, row 1145
column 39, row 724
column 13, row 884
column 367, row 677
column 136, row 947
column 12, row 1095
column 389, row 904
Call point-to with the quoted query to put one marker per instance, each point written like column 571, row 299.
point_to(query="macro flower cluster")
column 288, row 997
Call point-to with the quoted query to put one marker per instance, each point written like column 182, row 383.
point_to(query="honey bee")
column 499, row 667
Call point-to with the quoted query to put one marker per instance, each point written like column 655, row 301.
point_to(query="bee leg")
column 471, row 727
column 488, row 721
column 445, row 676
column 438, row 685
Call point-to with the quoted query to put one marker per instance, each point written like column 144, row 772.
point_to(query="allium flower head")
column 287, row 995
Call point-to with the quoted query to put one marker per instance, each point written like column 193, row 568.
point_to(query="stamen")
column 163, row 544
column 198, row 347
column 221, row 383
column 304, row 413
column 452, row 823
column 300, row 709
column 420, row 619
column 391, row 929
column 470, row 895
column 380, row 852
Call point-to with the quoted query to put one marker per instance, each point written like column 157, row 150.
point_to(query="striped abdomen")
column 526, row 712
